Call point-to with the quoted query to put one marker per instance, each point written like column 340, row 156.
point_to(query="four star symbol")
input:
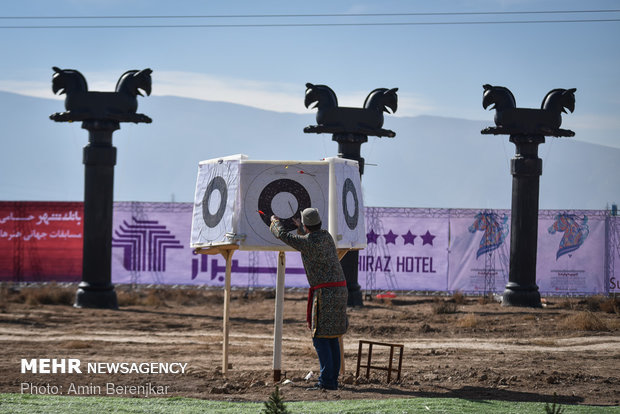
column 409, row 238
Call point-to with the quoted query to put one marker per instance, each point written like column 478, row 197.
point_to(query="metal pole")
column 99, row 157
column 526, row 169
column 278, row 318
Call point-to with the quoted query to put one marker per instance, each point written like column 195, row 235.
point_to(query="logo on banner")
column 144, row 244
column 575, row 233
column 495, row 230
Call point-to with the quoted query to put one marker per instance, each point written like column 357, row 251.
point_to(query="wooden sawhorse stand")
column 368, row 366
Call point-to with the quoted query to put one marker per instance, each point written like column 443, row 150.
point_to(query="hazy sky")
column 262, row 58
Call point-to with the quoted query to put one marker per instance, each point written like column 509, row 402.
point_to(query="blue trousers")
column 328, row 351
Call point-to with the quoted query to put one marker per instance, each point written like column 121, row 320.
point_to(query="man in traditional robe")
column 327, row 296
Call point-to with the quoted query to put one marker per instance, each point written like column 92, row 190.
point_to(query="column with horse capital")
column 527, row 129
column 350, row 128
column 101, row 114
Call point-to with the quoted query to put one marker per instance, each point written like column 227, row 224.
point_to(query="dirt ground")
column 454, row 346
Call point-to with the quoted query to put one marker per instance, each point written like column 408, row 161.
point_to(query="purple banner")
column 408, row 250
column 151, row 245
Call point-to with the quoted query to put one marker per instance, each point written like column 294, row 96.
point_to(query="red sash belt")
column 311, row 294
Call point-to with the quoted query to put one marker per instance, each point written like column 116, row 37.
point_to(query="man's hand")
column 297, row 221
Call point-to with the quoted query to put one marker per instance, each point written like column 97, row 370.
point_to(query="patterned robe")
column 320, row 259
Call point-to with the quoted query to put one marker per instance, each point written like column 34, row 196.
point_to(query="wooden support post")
column 228, row 254
column 277, row 331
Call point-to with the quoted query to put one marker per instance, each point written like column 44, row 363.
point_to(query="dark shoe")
column 317, row 386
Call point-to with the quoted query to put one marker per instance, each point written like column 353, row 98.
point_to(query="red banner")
column 41, row 241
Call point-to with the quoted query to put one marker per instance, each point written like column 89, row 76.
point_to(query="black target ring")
column 218, row 184
column 279, row 186
column 349, row 187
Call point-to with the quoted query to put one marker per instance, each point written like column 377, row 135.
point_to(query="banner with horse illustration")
column 571, row 252
column 479, row 250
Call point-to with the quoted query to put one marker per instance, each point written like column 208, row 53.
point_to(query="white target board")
column 256, row 190
column 346, row 214
column 283, row 189
column 216, row 195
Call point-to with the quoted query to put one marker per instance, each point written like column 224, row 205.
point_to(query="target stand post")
column 278, row 318
column 227, row 252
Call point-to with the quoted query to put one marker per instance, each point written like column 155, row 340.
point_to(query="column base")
column 522, row 296
column 355, row 298
column 349, row 267
column 96, row 296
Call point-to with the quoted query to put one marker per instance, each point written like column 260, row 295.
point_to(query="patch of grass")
column 593, row 303
column 442, row 307
column 597, row 303
column 127, row 298
column 49, row 294
column 584, row 321
column 156, row 297
column 486, row 299
column 459, row 298
column 468, row 321
column 566, row 303
column 610, row 305
column 21, row 404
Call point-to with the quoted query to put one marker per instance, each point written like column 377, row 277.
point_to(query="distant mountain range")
column 432, row 162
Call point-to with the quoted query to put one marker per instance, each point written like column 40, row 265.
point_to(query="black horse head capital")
column 82, row 104
column 525, row 121
column 335, row 119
